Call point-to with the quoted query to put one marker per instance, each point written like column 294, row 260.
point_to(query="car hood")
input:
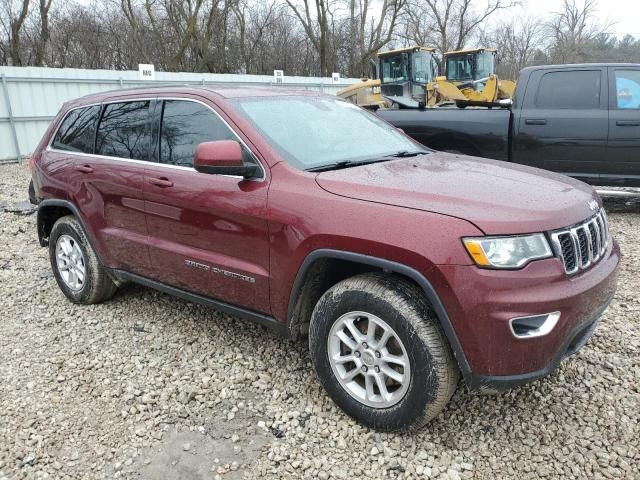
column 498, row 197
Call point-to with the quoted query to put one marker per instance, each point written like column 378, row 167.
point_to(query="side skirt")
column 270, row 322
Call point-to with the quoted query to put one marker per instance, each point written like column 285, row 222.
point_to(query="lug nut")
column 357, row 354
column 378, row 354
column 377, row 369
column 364, row 345
column 364, row 368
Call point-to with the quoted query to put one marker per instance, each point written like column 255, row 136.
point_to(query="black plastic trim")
column 395, row 267
column 266, row 320
column 59, row 203
column 582, row 332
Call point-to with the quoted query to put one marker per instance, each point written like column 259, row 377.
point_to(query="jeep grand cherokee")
column 405, row 268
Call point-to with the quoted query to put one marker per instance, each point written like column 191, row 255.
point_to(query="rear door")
column 564, row 122
column 623, row 153
column 208, row 233
column 105, row 148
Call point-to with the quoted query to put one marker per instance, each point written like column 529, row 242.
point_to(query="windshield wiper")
column 344, row 164
column 356, row 163
column 407, row 154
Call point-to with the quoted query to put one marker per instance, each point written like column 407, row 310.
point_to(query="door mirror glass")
column 222, row 157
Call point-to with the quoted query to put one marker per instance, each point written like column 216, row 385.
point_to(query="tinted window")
column 77, row 131
column 184, row 125
column 573, row 89
column 628, row 89
column 124, row 131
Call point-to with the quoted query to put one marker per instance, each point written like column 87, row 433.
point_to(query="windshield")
column 311, row 132
column 394, row 68
column 460, row 68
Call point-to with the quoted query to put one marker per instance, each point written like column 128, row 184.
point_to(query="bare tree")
column 448, row 24
column 41, row 45
column 314, row 15
column 367, row 34
column 13, row 28
column 516, row 43
column 572, row 30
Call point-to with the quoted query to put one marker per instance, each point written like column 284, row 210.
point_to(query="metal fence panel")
column 32, row 96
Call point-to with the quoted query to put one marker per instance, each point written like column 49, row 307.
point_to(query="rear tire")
column 403, row 399
column 75, row 265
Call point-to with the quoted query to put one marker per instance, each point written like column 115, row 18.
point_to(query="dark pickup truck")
column 580, row 120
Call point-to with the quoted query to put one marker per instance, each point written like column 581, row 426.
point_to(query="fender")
column 394, row 267
column 65, row 204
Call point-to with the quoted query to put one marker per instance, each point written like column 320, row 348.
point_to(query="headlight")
column 507, row 252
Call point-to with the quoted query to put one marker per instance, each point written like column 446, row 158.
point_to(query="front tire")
column 380, row 353
column 75, row 265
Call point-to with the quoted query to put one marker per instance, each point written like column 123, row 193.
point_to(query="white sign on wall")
column 278, row 76
column 336, row 77
column 146, row 72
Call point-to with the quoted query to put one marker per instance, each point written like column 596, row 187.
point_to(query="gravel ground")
column 148, row 386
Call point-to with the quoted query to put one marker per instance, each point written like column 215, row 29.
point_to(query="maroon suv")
column 405, row 267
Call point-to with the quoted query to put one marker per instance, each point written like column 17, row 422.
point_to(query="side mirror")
column 222, row 157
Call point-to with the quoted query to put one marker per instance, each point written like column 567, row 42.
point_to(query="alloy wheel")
column 70, row 262
column 368, row 359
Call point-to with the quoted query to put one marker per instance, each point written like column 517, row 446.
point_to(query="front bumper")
column 576, row 339
column 480, row 303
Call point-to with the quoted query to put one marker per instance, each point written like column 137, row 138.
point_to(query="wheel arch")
column 49, row 211
column 301, row 302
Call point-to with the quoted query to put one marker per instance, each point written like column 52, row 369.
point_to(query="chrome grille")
column 582, row 245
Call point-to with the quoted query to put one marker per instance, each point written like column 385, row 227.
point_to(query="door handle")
column 84, row 168
column 628, row 123
column 162, row 182
column 535, row 121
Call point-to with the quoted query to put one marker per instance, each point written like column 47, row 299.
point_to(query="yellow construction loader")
column 408, row 77
column 469, row 77
column 403, row 76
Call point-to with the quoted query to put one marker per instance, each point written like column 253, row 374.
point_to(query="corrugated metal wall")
column 31, row 96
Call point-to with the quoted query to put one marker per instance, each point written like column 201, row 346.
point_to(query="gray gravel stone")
column 114, row 390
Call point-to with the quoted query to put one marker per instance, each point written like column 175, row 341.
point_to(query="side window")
column 124, row 131
column 77, row 131
column 628, row 89
column 184, row 125
column 576, row 89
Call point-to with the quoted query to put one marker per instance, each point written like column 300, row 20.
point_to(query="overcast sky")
column 623, row 14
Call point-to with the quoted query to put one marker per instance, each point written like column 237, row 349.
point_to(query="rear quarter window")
column 77, row 131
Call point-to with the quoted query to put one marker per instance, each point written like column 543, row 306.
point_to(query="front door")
column 208, row 233
column 623, row 152
column 564, row 122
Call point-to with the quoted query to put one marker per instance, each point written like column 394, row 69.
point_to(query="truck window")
column 575, row 89
column 628, row 89
column 77, row 131
column 124, row 131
